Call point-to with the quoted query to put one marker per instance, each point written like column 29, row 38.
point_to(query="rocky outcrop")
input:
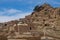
column 44, row 20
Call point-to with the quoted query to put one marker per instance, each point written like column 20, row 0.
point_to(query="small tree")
column 36, row 8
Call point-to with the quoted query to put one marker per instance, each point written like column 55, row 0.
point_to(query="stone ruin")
column 42, row 24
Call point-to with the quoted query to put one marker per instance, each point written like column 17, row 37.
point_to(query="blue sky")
column 15, row 9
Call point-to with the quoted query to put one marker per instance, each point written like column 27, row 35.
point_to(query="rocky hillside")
column 43, row 19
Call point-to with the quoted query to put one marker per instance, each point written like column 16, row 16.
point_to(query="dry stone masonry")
column 42, row 24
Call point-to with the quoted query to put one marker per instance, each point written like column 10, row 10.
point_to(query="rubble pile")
column 43, row 23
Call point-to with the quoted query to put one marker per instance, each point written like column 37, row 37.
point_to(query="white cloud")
column 9, row 11
column 12, row 11
column 19, row 14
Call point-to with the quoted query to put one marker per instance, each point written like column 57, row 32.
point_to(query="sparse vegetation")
column 34, row 24
column 36, row 8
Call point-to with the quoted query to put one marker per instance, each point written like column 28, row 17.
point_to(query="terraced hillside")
column 42, row 23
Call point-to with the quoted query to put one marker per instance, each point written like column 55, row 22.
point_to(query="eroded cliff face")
column 43, row 18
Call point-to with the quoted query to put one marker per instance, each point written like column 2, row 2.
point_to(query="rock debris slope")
column 44, row 20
